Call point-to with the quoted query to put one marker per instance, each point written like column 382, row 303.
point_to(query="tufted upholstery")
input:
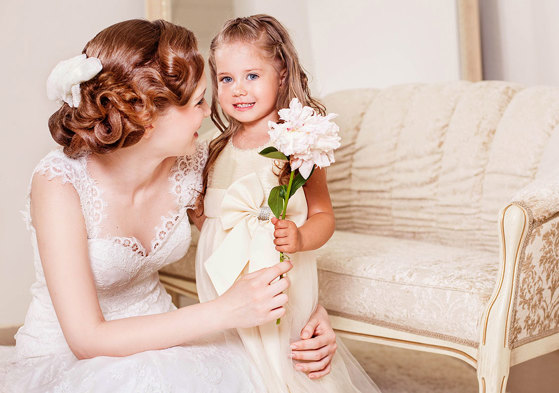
column 417, row 187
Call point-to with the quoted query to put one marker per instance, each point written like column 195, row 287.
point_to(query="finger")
column 281, row 241
column 269, row 274
column 286, row 248
column 283, row 224
column 278, row 286
column 311, row 343
column 281, row 233
column 320, row 374
column 276, row 313
column 274, row 220
column 314, row 366
column 278, row 301
column 312, row 355
column 310, row 328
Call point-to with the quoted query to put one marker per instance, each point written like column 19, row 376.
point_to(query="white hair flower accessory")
column 64, row 80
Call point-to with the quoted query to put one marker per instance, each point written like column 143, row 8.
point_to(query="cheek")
column 221, row 93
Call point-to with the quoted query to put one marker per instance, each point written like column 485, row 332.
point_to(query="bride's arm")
column 63, row 247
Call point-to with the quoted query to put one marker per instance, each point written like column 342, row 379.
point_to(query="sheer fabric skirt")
column 212, row 366
column 278, row 371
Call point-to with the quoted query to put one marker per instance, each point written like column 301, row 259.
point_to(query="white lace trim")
column 74, row 171
column 186, row 185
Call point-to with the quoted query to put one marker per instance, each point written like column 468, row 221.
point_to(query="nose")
column 207, row 110
column 238, row 90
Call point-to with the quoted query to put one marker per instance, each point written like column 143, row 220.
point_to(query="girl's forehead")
column 239, row 51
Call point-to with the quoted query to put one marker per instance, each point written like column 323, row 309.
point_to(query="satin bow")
column 249, row 240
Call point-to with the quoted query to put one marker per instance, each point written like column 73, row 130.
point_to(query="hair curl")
column 147, row 67
column 271, row 36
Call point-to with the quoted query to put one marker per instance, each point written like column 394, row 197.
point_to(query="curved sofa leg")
column 494, row 352
column 493, row 369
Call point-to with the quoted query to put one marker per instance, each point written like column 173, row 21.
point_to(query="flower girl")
column 108, row 210
column 255, row 72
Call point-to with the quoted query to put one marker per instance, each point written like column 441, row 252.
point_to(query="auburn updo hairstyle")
column 147, row 67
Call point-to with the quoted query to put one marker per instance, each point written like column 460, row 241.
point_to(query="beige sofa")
column 447, row 205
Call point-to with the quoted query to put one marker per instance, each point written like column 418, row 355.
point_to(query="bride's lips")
column 243, row 106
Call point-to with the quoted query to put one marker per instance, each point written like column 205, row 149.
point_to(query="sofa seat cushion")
column 410, row 285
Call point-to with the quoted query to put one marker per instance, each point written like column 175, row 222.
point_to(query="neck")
column 132, row 170
column 260, row 126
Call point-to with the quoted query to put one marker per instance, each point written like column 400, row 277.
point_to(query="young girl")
column 255, row 72
column 108, row 211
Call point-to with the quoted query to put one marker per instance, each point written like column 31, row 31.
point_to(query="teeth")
column 243, row 105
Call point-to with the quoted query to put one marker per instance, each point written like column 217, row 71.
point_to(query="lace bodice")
column 125, row 273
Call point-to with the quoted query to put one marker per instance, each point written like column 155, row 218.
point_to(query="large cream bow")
column 250, row 239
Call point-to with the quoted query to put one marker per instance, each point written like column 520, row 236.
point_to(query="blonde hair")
column 272, row 38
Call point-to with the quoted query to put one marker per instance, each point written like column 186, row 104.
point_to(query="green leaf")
column 272, row 152
column 275, row 200
column 298, row 182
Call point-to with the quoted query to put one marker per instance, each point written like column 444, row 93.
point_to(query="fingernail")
column 293, row 346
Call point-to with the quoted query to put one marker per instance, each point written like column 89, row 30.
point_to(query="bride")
column 99, row 319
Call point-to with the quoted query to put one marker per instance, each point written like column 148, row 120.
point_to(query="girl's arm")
column 320, row 223
column 63, row 248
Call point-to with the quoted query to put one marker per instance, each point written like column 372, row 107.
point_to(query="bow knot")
column 250, row 237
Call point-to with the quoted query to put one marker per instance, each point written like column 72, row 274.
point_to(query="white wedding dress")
column 127, row 285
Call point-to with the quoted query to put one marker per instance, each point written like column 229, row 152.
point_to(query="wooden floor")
column 398, row 370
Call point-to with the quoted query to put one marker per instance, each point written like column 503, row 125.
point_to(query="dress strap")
column 74, row 171
column 187, row 177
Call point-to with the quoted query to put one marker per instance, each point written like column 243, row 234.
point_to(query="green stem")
column 285, row 202
column 287, row 196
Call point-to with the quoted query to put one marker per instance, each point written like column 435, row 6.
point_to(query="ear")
column 148, row 131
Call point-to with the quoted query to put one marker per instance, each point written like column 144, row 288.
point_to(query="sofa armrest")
column 536, row 301
column 540, row 198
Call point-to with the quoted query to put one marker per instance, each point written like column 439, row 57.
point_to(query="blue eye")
column 252, row 77
column 227, row 79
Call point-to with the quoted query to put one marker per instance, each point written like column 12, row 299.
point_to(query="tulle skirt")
column 214, row 366
column 278, row 371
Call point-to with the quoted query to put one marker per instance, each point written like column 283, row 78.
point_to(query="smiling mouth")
column 243, row 106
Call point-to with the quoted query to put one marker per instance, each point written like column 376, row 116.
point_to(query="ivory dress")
column 237, row 237
column 127, row 285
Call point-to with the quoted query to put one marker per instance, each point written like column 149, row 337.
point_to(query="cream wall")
column 394, row 42
column 34, row 36
column 368, row 43
column 520, row 41
column 351, row 44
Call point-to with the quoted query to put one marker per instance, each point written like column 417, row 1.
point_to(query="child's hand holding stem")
column 287, row 236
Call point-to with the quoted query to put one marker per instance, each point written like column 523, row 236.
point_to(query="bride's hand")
column 254, row 299
column 317, row 345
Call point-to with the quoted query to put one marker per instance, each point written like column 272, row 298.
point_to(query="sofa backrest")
column 437, row 162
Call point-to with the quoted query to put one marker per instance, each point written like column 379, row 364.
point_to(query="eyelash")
column 248, row 77
column 201, row 101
